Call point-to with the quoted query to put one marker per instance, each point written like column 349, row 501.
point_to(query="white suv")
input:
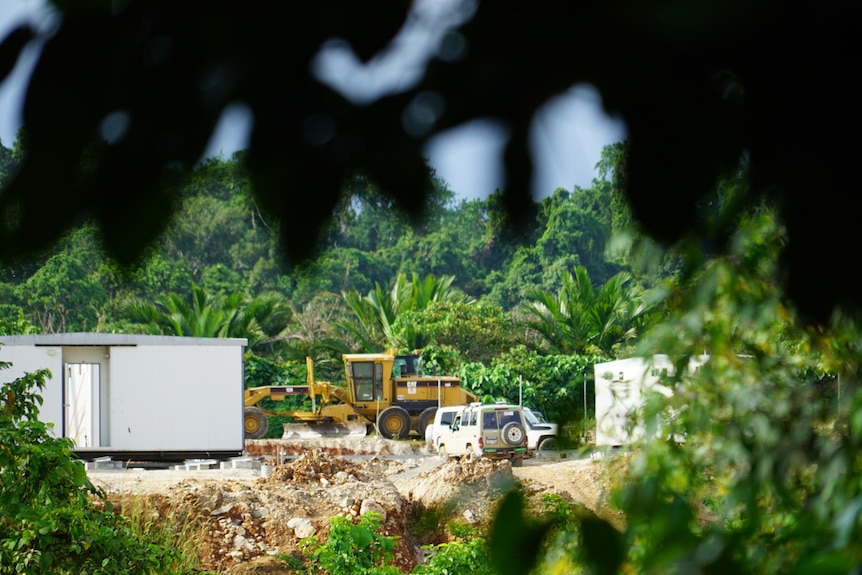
column 541, row 435
column 443, row 418
column 496, row 431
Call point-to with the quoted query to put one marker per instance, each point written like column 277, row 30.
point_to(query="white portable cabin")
column 142, row 397
column 622, row 387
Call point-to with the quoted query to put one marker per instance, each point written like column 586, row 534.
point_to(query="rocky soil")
column 246, row 519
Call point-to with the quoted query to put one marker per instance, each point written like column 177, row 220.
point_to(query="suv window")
column 489, row 420
column 509, row 417
column 499, row 419
column 447, row 417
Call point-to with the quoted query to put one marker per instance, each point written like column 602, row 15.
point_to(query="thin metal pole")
column 585, row 406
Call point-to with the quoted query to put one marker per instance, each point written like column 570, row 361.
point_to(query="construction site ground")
column 248, row 519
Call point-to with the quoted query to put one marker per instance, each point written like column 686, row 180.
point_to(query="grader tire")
column 255, row 422
column 426, row 418
column 394, row 423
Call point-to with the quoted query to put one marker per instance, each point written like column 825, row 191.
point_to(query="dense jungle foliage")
column 749, row 464
column 532, row 309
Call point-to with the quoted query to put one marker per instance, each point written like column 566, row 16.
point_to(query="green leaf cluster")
column 351, row 548
column 52, row 519
column 458, row 556
column 750, row 463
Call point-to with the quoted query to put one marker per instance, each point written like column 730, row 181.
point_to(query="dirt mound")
column 320, row 467
column 238, row 520
column 245, row 521
column 260, row 566
column 467, row 489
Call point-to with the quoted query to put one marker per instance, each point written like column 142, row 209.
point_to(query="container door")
column 82, row 404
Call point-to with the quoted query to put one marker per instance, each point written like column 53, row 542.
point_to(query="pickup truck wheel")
column 426, row 418
column 394, row 423
column 547, row 444
column 518, row 462
column 255, row 422
column 513, row 434
column 441, row 451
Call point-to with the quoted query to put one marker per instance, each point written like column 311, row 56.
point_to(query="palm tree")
column 374, row 315
column 311, row 331
column 581, row 319
column 262, row 319
column 259, row 319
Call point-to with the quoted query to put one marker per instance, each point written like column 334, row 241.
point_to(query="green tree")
column 461, row 330
column 13, row 321
column 560, row 386
column 366, row 217
column 750, row 455
column 581, row 318
column 204, row 232
column 172, row 314
column 63, row 296
column 338, row 269
column 158, row 275
column 312, row 332
column 571, row 231
column 522, row 273
column 260, row 319
column 374, row 315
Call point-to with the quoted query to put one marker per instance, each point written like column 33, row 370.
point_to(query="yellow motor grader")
column 384, row 390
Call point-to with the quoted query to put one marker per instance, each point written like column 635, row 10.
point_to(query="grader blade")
column 314, row 430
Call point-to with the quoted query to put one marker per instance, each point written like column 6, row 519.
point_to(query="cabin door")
column 86, row 395
column 83, row 404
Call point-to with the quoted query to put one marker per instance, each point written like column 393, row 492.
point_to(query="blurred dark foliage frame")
column 705, row 89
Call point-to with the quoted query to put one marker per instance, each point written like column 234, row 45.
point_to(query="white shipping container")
column 137, row 396
column 622, row 387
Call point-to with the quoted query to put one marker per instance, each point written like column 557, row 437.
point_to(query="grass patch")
column 155, row 519
column 427, row 524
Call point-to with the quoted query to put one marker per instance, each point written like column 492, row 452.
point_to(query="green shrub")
column 426, row 523
column 52, row 518
column 352, row 548
column 467, row 553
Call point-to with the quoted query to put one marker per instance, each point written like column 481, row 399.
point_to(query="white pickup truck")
column 541, row 435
